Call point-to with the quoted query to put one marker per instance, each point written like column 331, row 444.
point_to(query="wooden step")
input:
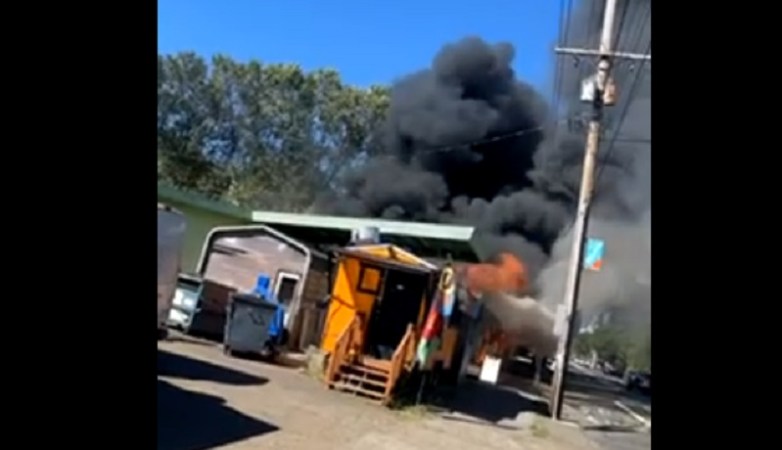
column 352, row 388
column 381, row 365
column 368, row 377
column 362, row 380
column 358, row 369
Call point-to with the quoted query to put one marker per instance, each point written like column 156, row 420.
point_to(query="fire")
column 507, row 275
column 516, row 320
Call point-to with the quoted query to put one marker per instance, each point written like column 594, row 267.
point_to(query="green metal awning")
column 427, row 240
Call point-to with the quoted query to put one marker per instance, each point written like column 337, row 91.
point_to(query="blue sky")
column 367, row 41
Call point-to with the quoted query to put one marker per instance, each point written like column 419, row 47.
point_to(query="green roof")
column 424, row 239
column 167, row 193
column 412, row 229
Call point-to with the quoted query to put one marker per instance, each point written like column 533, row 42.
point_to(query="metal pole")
column 582, row 213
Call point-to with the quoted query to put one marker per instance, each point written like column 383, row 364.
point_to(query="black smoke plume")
column 465, row 141
column 621, row 215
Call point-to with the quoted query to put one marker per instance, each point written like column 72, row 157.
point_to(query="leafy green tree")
column 183, row 125
column 582, row 345
column 263, row 135
column 638, row 352
column 617, row 345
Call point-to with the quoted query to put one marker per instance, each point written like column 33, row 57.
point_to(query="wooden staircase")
column 352, row 372
column 366, row 378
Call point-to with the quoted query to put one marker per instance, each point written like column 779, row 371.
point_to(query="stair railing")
column 344, row 349
column 403, row 357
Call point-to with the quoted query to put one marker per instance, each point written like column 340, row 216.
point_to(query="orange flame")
column 507, row 275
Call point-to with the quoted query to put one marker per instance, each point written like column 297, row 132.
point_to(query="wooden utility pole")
column 602, row 94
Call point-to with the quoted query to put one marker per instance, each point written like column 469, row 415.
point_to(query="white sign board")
column 490, row 370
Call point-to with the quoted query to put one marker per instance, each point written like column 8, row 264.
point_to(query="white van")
column 170, row 240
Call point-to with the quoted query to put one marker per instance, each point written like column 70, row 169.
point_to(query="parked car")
column 639, row 381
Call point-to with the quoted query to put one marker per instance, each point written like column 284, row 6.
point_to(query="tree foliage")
column 263, row 135
column 617, row 345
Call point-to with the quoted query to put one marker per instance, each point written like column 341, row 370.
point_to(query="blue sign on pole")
column 593, row 254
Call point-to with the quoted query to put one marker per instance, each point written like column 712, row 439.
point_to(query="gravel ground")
column 207, row 400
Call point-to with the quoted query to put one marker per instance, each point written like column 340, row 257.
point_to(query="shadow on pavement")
column 580, row 390
column 188, row 420
column 281, row 359
column 611, row 428
column 179, row 366
column 188, row 339
column 493, row 403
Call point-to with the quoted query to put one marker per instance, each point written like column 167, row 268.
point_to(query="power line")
column 501, row 137
column 635, row 83
column 622, row 115
column 566, row 317
column 445, row 148
column 626, row 107
column 646, row 141
column 614, row 138
column 565, row 9
column 566, row 5
column 620, row 28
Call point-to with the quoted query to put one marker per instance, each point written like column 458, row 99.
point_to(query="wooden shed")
column 384, row 287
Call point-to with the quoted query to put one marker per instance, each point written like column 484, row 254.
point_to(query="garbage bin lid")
column 245, row 297
column 189, row 278
column 252, row 299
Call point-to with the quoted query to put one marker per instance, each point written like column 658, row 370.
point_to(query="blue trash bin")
column 247, row 324
column 263, row 289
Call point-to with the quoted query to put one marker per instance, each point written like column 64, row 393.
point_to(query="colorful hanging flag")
column 447, row 291
column 430, row 335
column 425, row 349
